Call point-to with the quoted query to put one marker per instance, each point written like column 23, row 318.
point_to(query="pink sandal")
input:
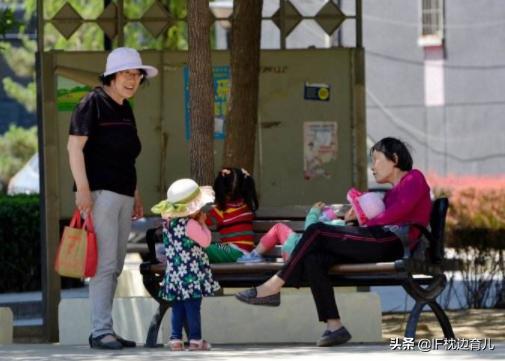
column 176, row 345
column 201, row 345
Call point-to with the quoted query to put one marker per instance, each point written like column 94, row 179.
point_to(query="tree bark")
column 240, row 141
column 201, row 144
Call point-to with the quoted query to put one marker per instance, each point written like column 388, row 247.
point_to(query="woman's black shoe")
column 250, row 296
column 125, row 343
column 334, row 338
column 96, row 342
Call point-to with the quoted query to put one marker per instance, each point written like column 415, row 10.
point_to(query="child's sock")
column 252, row 256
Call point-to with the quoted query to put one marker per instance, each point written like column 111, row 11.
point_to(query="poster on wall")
column 69, row 93
column 319, row 148
column 221, row 76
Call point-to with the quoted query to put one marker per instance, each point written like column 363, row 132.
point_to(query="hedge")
column 476, row 216
column 20, row 243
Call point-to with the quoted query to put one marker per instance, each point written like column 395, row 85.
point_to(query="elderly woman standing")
column 102, row 146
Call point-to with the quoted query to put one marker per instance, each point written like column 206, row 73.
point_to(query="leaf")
column 7, row 21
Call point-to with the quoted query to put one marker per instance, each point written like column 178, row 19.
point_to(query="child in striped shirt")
column 232, row 216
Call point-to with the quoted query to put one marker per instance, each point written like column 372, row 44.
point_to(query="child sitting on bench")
column 365, row 205
column 232, row 215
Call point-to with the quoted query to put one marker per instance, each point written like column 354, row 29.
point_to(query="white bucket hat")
column 127, row 58
column 184, row 197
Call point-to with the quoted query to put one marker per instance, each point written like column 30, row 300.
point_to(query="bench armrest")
column 402, row 232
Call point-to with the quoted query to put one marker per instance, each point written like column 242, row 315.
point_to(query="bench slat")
column 293, row 212
column 263, row 226
column 381, row 267
column 245, row 268
column 141, row 248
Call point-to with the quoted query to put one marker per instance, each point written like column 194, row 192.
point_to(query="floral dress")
column 188, row 274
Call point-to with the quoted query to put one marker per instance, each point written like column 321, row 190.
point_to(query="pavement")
column 475, row 347
column 55, row 352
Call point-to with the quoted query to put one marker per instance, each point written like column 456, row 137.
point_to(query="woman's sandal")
column 201, row 345
column 176, row 345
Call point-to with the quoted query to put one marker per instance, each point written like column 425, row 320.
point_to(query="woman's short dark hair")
column 395, row 150
column 106, row 80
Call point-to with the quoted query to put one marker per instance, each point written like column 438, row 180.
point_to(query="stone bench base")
column 226, row 320
column 6, row 325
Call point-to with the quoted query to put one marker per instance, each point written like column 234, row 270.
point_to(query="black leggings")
column 323, row 246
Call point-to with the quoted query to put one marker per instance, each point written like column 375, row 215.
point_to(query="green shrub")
column 476, row 231
column 20, row 243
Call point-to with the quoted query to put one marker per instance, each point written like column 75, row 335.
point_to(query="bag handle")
column 88, row 223
column 75, row 222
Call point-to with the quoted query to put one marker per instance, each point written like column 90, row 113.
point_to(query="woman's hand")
column 138, row 207
column 319, row 205
column 84, row 201
column 350, row 215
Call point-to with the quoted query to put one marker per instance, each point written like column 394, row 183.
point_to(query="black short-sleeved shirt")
column 113, row 143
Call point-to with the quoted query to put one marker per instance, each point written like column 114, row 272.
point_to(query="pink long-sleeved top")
column 407, row 202
column 198, row 233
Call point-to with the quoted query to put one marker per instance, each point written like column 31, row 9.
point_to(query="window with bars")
column 432, row 22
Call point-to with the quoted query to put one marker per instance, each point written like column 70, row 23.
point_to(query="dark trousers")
column 189, row 311
column 323, row 246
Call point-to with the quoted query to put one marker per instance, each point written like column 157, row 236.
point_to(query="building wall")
column 464, row 134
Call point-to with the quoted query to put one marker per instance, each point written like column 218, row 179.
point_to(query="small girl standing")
column 188, row 277
column 232, row 216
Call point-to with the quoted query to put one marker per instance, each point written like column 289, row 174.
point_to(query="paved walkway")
column 42, row 352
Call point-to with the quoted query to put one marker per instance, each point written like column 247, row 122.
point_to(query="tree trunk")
column 239, row 145
column 201, row 144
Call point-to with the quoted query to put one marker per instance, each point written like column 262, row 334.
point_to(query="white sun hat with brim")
column 127, row 58
column 184, row 198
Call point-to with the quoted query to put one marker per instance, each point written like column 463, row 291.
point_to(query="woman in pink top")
column 323, row 246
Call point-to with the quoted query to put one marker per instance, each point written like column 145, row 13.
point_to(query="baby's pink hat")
column 366, row 205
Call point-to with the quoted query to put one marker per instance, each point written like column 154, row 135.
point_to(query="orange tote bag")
column 77, row 254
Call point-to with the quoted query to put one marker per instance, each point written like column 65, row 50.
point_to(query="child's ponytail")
column 248, row 190
column 221, row 188
column 232, row 184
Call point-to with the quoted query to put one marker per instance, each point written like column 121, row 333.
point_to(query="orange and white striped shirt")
column 234, row 224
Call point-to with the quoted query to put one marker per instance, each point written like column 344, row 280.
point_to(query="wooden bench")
column 420, row 274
